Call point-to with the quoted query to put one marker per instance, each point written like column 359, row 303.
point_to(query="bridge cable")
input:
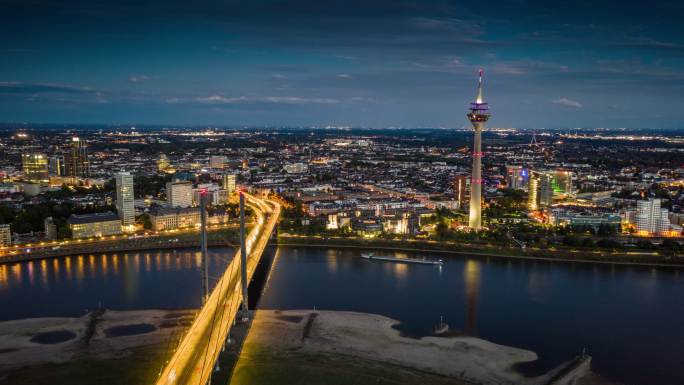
column 213, row 323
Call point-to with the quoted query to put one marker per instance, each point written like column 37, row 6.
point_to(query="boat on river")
column 373, row 257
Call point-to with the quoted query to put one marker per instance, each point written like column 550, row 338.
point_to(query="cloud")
column 279, row 76
column 344, row 76
column 218, row 99
column 363, row 99
column 648, row 43
column 37, row 88
column 138, row 78
column 567, row 102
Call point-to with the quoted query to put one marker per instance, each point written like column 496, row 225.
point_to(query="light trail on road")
column 193, row 360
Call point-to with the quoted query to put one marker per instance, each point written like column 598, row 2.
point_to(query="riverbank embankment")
column 633, row 258
column 216, row 237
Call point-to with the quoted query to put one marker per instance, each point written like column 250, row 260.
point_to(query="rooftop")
column 92, row 218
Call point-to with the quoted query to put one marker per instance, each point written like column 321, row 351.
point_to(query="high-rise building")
column 545, row 198
column 461, row 185
column 125, row 200
column 5, row 235
column 179, row 193
column 478, row 116
column 163, row 162
column 540, row 190
column 77, row 163
column 35, row 167
column 517, row 177
column 562, row 182
column 57, row 166
column 229, row 181
column 651, row 218
column 533, row 191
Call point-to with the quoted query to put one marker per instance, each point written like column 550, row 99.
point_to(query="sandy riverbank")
column 106, row 347
column 289, row 335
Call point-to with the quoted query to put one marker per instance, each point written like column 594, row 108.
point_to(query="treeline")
column 32, row 217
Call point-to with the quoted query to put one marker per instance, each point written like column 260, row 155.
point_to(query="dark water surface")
column 70, row 286
column 630, row 320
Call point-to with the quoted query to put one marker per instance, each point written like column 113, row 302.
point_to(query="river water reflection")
column 631, row 320
column 69, row 286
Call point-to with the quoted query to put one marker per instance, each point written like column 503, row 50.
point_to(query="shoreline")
column 215, row 239
column 604, row 258
column 620, row 259
column 281, row 339
column 105, row 346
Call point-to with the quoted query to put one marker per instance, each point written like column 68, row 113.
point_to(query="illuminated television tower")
column 478, row 115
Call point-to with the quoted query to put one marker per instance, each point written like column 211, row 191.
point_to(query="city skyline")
column 299, row 192
column 386, row 64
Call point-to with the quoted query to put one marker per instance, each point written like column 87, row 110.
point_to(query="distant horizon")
column 136, row 126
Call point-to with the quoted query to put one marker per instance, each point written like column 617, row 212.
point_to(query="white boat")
column 442, row 327
column 373, row 257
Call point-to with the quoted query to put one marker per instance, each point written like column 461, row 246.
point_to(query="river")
column 629, row 319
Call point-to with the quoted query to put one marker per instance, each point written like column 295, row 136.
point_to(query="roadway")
column 149, row 239
column 193, row 360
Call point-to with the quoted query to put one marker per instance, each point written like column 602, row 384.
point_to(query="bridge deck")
column 194, row 358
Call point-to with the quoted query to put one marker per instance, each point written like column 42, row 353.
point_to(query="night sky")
column 554, row 64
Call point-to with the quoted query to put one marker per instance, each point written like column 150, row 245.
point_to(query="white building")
column 651, row 219
column 296, row 168
column 125, row 200
column 229, row 181
column 179, row 193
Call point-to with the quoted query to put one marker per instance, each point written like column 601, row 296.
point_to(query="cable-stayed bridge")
column 193, row 360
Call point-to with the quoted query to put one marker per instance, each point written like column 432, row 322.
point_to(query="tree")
column 145, row 220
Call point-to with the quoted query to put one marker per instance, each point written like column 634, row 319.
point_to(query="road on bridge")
column 194, row 358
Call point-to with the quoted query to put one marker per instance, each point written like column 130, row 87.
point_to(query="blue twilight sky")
column 346, row 62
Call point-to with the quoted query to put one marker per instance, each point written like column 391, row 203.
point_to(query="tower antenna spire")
column 479, row 98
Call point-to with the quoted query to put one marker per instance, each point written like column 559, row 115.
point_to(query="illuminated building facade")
column 57, row 166
column 651, row 218
column 461, row 186
column 517, row 177
column 229, row 182
column 532, row 198
column 163, row 162
column 5, row 235
column 94, row 225
column 169, row 218
column 125, row 200
column 562, row 182
column 77, row 164
column 540, row 190
column 35, row 168
column 179, row 193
